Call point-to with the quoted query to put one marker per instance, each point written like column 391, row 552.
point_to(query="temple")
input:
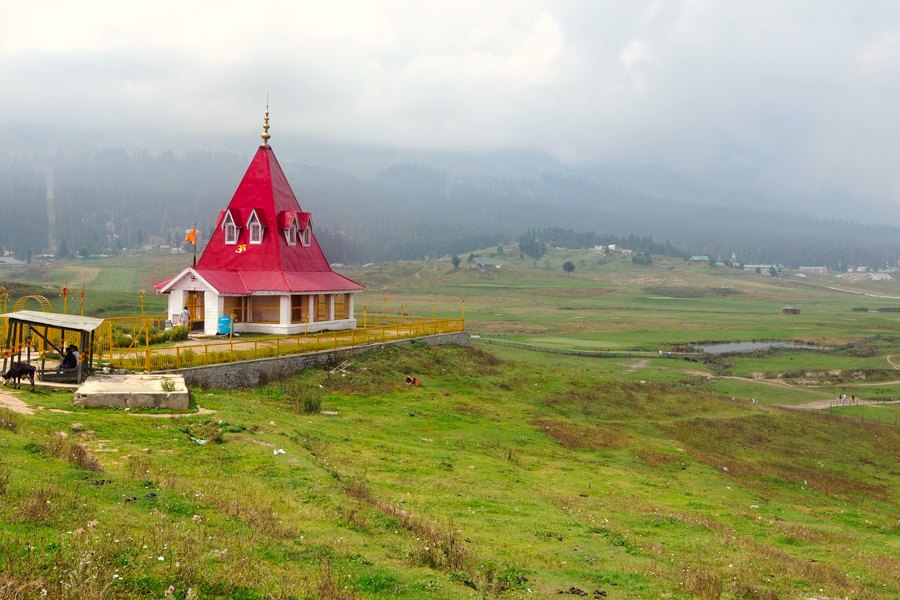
column 263, row 267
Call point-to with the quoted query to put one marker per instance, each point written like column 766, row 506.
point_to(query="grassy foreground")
column 492, row 479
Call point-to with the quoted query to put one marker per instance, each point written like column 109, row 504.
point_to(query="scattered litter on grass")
column 279, row 451
column 342, row 367
column 413, row 381
column 199, row 441
column 328, row 412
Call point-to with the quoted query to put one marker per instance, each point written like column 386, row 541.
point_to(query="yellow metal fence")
column 132, row 352
column 197, row 355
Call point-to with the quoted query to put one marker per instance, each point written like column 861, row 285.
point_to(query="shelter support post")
column 44, row 353
column 9, row 329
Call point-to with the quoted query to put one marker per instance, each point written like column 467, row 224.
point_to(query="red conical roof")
column 273, row 265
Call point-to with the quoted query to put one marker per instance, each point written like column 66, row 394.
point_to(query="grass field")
column 509, row 473
column 492, row 479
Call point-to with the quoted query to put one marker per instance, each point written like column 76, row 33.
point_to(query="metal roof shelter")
column 25, row 322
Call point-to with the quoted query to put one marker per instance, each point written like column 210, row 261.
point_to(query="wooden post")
column 80, row 356
column 44, row 356
column 9, row 330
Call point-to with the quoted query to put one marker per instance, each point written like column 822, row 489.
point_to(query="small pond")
column 752, row 346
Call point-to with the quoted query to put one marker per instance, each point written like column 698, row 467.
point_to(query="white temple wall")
column 213, row 307
column 177, row 300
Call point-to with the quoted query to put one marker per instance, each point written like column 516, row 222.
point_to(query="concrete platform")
column 133, row 390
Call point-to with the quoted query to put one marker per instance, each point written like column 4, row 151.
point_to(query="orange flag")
column 192, row 236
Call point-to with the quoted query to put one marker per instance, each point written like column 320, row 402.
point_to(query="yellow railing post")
column 177, row 357
column 278, row 347
column 255, row 349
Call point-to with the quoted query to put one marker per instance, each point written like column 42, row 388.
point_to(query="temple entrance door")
column 196, row 308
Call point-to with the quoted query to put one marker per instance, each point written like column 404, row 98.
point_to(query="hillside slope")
column 490, row 479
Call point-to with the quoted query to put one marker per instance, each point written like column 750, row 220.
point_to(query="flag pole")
column 195, row 244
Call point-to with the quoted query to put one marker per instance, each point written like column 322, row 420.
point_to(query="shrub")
column 9, row 420
column 4, row 478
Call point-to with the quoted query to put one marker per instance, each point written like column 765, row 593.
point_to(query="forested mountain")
column 110, row 199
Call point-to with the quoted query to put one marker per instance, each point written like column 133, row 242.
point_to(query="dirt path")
column 823, row 404
column 894, row 365
column 772, row 382
column 641, row 364
column 14, row 404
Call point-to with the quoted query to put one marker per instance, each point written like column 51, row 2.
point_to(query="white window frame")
column 305, row 237
column 231, row 230
column 255, row 227
column 290, row 234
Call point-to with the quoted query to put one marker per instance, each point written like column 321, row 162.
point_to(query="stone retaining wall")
column 250, row 373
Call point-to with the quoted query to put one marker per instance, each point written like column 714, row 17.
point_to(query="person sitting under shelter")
column 69, row 361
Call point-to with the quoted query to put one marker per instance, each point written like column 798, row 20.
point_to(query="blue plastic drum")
column 224, row 325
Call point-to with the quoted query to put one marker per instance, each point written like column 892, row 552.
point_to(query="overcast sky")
column 800, row 95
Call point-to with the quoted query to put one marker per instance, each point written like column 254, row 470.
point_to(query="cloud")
column 775, row 95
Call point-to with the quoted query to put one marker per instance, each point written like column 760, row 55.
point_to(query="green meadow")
column 493, row 479
column 509, row 473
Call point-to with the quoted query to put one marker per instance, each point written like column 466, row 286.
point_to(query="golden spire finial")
column 265, row 134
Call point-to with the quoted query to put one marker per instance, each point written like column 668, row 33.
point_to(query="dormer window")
column 256, row 228
column 231, row 229
column 291, row 234
column 304, row 237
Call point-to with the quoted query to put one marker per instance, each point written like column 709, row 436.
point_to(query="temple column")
column 213, row 307
column 284, row 317
column 331, row 307
column 350, row 306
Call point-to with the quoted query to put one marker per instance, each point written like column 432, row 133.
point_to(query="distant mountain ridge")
column 393, row 204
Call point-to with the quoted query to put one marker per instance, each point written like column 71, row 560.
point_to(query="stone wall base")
column 250, row 373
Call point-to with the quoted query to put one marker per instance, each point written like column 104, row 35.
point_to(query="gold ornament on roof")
column 265, row 134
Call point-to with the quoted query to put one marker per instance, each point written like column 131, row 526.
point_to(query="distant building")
column 755, row 267
column 790, row 310
column 704, row 260
column 479, row 262
column 627, row 252
column 814, row 270
column 854, row 277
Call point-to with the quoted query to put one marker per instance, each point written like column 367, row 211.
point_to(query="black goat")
column 17, row 371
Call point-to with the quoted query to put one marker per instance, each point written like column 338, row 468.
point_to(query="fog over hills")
column 393, row 204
